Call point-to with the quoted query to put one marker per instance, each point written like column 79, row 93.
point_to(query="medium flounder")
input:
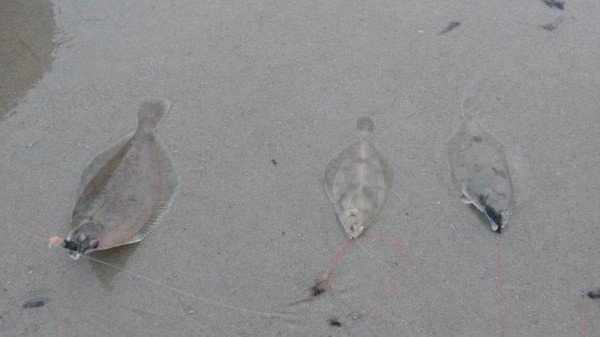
column 358, row 182
column 125, row 191
column 480, row 172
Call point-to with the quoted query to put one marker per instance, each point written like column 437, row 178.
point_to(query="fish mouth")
column 80, row 244
column 495, row 218
column 353, row 231
column 77, row 247
column 74, row 247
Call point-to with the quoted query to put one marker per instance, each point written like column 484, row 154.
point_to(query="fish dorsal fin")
column 169, row 186
column 471, row 107
column 151, row 112
column 99, row 162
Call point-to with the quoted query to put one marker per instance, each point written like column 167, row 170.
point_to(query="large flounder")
column 358, row 182
column 125, row 191
column 480, row 171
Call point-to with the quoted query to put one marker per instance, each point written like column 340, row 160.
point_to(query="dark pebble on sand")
column 451, row 26
column 554, row 3
column 33, row 304
column 334, row 322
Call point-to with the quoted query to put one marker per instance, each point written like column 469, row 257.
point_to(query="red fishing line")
column 500, row 286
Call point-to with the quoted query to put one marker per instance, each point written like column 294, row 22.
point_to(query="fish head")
column 82, row 240
column 496, row 218
column 80, row 244
column 352, row 223
column 351, row 217
column 353, row 231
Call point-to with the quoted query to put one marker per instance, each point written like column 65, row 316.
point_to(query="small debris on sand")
column 554, row 3
column 451, row 26
column 334, row 322
column 594, row 295
column 33, row 304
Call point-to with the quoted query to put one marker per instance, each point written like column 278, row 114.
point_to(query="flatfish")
column 358, row 182
column 125, row 191
column 479, row 170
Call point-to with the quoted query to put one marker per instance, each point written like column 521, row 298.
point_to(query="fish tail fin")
column 151, row 111
column 469, row 115
column 365, row 127
column 471, row 107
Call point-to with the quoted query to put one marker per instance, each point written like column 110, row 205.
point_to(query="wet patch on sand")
column 26, row 45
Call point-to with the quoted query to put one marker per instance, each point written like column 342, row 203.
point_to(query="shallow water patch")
column 27, row 29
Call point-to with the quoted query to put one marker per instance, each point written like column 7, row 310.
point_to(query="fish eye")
column 94, row 244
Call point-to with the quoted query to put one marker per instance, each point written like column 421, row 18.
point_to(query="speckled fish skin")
column 358, row 182
column 480, row 171
column 124, row 191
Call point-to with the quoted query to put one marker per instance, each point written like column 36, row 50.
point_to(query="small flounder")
column 358, row 182
column 480, row 172
column 125, row 191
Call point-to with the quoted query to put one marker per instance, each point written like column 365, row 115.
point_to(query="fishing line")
column 335, row 260
column 182, row 292
column 145, row 278
column 499, row 286
column 392, row 288
column 26, row 231
column 395, row 283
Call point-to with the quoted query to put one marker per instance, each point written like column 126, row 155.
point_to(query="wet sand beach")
column 264, row 94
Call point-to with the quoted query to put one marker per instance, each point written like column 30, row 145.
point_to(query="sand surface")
column 255, row 83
